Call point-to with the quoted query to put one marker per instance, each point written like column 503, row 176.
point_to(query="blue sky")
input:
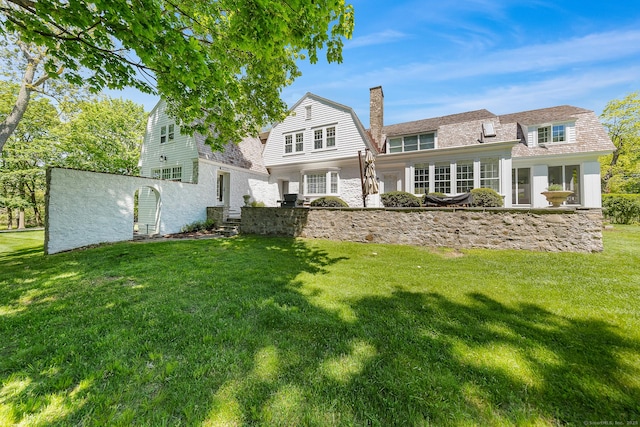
column 434, row 58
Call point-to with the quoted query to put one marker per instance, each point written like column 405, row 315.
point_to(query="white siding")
column 182, row 151
column 349, row 139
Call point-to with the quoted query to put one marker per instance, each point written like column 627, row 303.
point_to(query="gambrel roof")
column 247, row 154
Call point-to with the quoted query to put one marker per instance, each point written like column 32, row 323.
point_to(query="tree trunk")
column 36, row 211
column 8, row 126
column 609, row 174
column 9, row 219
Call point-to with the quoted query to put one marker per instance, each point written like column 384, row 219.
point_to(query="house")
column 314, row 152
column 171, row 155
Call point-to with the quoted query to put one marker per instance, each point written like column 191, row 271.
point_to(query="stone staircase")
column 230, row 227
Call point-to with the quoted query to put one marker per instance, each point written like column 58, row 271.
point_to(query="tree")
column 219, row 64
column 621, row 169
column 28, row 151
column 104, row 135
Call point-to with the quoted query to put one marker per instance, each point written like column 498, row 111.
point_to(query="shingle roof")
column 466, row 129
column 246, row 154
column 432, row 124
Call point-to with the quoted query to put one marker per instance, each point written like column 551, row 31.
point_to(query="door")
column 390, row 183
column 222, row 189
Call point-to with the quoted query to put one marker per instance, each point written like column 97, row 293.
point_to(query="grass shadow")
column 218, row 332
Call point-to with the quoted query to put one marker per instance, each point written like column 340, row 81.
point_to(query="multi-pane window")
column 331, row 137
column 163, row 134
column 490, row 174
column 288, row 143
column 442, row 179
column 299, row 142
column 334, row 182
column 174, row 173
column 317, row 183
column 320, row 183
column 555, row 133
column 171, row 133
column 464, row 177
column 558, row 133
column 412, row 143
column 318, row 139
column 421, row 179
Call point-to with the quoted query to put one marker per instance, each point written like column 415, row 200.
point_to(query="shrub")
column 400, row 199
column 437, row 194
column 621, row 208
column 330, row 202
column 207, row 224
column 257, row 204
column 486, row 198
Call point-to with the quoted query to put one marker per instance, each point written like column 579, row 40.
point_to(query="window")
column 308, row 112
column 299, row 142
column 171, row 132
column 331, row 137
column 320, row 183
column 318, row 139
column 555, row 133
column 288, row 143
column 464, row 177
column 316, row 184
column 442, row 179
column 412, row 143
column 569, row 177
column 558, row 133
column 521, row 186
column 163, row 134
column 490, row 174
column 421, row 179
column 174, row 173
column 334, row 182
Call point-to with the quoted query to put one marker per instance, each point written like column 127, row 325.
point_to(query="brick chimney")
column 376, row 115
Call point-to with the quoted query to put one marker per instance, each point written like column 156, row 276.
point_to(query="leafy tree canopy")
column 621, row 170
column 218, row 63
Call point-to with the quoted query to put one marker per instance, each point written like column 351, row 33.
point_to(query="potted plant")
column 556, row 195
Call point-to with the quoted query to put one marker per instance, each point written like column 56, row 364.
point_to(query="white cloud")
column 387, row 36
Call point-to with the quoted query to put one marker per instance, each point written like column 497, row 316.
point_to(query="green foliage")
column 257, row 204
column 621, row 208
column 217, row 63
column 296, row 332
column 103, row 135
column 204, row 225
column 486, row 198
column 554, row 187
column 621, row 170
column 399, row 199
column 329, row 202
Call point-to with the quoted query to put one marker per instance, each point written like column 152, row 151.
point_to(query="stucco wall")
column 550, row 230
column 85, row 208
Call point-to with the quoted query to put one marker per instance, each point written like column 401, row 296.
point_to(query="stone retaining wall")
column 552, row 230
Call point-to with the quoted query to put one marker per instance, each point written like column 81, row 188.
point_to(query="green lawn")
column 276, row 331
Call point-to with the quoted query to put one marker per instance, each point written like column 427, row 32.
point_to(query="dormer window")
column 552, row 133
column 555, row 133
column 425, row 141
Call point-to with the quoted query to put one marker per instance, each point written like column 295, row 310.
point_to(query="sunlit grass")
column 275, row 331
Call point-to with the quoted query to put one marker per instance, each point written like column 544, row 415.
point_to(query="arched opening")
column 146, row 211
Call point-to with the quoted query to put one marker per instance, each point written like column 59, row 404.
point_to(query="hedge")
column 621, row 208
column 400, row 199
column 486, row 198
column 329, row 202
